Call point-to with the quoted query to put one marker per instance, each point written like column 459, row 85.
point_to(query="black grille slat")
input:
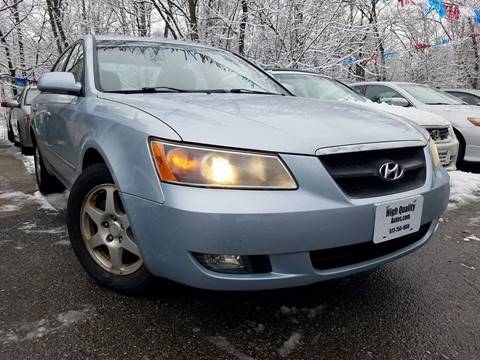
column 357, row 173
column 439, row 134
column 326, row 259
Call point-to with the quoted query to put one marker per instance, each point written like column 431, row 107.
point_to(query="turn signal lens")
column 434, row 152
column 199, row 166
column 474, row 120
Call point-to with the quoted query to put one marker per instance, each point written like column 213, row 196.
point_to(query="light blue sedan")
column 190, row 163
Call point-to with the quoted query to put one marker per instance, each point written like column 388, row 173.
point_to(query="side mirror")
column 60, row 83
column 9, row 104
column 398, row 101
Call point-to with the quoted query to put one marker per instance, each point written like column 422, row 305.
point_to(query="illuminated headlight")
column 201, row 166
column 434, row 152
column 474, row 120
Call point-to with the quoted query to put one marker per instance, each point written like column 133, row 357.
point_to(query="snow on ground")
column 290, row 345
column 36, row 329
column 222, row 343
column 17, row 200
column 31, row 228
column 464, row 188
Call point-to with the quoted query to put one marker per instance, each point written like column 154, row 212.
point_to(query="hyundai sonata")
column 190, row 163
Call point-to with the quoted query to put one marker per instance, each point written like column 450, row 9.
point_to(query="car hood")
column 270, row 123
column 456, row 114
column 420, row 117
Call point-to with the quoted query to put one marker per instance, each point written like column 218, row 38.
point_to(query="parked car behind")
column 308, row 84
column 470, row 96
column 188, row 162
column 18, row 125
column 464, row 118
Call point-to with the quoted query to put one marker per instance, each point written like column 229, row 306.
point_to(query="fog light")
column 235, row 264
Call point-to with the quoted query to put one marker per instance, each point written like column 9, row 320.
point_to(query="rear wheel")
column 101, row 235
column 24, row 149
column 10, row 134
column 47, row 184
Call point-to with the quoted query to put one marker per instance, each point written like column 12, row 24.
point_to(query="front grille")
column 358, row 175
column 353, row 254
column 439, row 134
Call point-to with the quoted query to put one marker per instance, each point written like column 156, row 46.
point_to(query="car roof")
column 385, row 83
column 158, row 40
column 297, row 71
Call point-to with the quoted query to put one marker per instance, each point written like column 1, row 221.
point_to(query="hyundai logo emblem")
column 391, row 171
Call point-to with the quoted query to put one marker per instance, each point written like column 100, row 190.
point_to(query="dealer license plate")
column 444, row 157
column 397, row 218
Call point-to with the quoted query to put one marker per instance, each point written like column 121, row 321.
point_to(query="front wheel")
column 101, row 235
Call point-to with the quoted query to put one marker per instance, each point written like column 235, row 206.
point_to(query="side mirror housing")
column 9, row 104
column 398, row 101
column 59, row 83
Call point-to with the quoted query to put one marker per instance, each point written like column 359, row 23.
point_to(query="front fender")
column 123, row 144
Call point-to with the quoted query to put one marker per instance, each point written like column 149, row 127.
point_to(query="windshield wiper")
column 437, row 103
column 158, row 89
column 248, row 91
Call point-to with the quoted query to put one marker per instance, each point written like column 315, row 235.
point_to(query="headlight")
column 199, row 166
column 434, row 152
column 474, row 120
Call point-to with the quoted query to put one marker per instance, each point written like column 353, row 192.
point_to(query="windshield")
column 130, row 66
column 315, row 86
column 30, row 95
column 430, row 96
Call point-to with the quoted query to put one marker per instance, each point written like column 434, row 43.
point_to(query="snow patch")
column 464, row 188
column 19, row 199
column 468, row 267
column 225, row 345
column 290, row 345
column 33, row 330
column 31, row 228
column 63, row 242
column 471, row 238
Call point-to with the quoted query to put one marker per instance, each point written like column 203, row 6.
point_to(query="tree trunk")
column 21, row 51
column 192, row 13
column 243, row 25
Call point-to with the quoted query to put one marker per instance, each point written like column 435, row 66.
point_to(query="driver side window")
column 59, row 66
column 381, row 93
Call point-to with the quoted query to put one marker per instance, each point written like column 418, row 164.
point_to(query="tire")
column 10, row 134
column 461, row 148
column 47, row 184
column 94, row 241
column 23, row 149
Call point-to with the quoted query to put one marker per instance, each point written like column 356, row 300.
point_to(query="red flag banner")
column 406, row 2
column 452, row 11
column 422, row 46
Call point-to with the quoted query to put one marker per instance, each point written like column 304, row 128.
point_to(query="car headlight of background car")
column 210, row 167
column 434, row 152
column 474, row 120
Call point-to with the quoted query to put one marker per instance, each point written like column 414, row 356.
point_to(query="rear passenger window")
column 75, row 62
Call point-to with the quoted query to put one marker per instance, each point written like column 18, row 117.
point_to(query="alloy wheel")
column 106, row 231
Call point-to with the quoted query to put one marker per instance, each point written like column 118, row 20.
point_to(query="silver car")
column 464, row 118
column 189, row 163
column 18, row 125
column 304, row 83
column 470, row 96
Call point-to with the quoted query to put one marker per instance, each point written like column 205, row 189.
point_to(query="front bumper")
column 472, row 143
column 449, row 152
column 285, row 225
